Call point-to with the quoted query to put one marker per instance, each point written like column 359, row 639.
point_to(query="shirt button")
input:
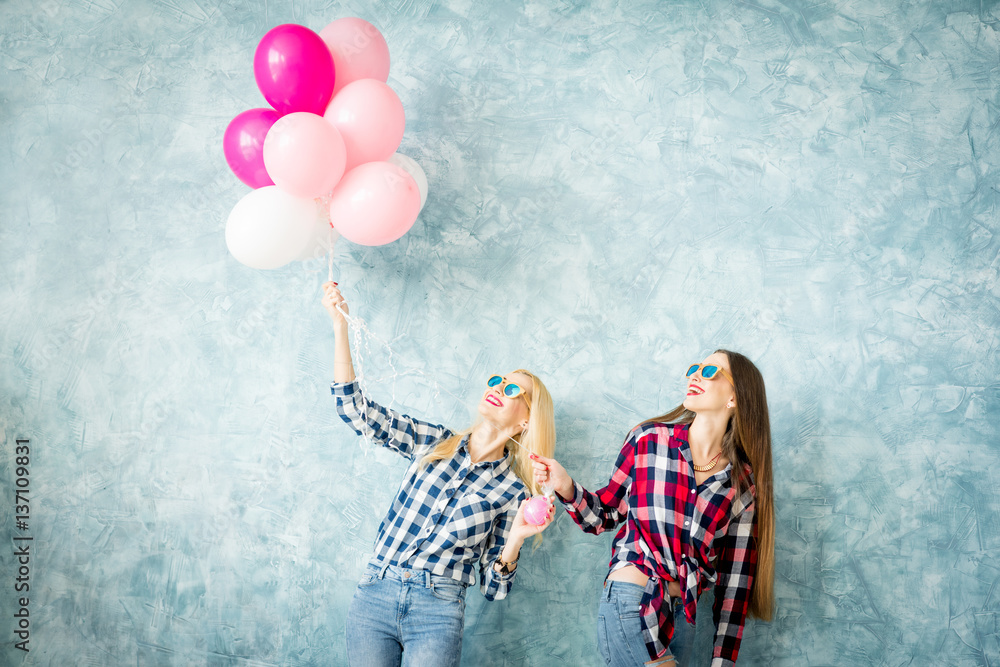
column 687, row 523
column 692, row 490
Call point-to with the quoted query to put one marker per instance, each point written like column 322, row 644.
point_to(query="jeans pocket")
column 628, row 606
column 448, row 592
column 629, row 609
column 369, row 577
column 602, row 639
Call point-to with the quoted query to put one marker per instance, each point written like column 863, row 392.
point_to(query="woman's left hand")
column 522, row 530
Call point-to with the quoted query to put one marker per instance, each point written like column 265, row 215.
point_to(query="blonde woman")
column 457, row 517
column 691, row 490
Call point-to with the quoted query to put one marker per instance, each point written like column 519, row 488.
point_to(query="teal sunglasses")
column 709, row 372
column 510, row 390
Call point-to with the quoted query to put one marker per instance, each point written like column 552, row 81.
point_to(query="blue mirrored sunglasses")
column 510, row 390
column 709, row 372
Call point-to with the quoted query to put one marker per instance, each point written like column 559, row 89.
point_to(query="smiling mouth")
column 695, row 390
column 493, row 400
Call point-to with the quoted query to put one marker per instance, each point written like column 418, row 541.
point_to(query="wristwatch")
column 505, row 568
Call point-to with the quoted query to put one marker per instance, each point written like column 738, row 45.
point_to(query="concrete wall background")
column 616, row 189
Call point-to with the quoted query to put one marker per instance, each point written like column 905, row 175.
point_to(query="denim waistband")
column 621, row 588
column 411, row 575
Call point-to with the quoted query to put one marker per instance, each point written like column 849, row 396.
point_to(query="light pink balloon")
column 537, row 510
column 359, row 51
column 374, row 204
column 304, row 154
column 370, row 118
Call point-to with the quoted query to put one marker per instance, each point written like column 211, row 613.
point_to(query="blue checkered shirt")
column 449, row 517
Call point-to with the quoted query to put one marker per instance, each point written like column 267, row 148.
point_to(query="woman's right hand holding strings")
column 334, row 303
column 549, row 473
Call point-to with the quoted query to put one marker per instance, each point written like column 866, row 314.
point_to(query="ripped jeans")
column 619, row 629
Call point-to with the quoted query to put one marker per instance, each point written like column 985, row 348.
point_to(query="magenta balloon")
column 243, row 145
column 374, row 204
column 294, row 69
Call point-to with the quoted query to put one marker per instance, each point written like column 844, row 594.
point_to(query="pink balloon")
column 370, row 117
column 304, row 155
column 536, row 511
column 359, row 51
column 243, row 145
column 294, row 69
column 374, row 204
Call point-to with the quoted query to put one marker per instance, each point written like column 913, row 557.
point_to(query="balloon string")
column 329, row 258
column 363, row 337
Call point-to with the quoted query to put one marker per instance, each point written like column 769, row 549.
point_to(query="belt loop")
column 381, row 572
column 427, row 578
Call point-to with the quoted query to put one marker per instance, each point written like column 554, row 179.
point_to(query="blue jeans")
column 405, row 617
column 619, row 629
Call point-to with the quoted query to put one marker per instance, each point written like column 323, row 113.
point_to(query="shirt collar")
column 499, row 467
column 679, row 440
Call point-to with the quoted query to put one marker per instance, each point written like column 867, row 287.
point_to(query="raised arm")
column 398, row 432
column 343, row 366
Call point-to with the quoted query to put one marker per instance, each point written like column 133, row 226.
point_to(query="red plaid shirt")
column 676, row 530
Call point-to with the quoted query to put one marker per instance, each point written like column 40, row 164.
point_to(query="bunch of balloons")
column 324, row 153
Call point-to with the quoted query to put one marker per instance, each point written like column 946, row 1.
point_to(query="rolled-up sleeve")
column 496, row 586
column 737, row 566
column 389, row 428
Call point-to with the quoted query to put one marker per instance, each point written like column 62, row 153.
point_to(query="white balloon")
column 324, row 236
column 269, row 228
column 410, row 166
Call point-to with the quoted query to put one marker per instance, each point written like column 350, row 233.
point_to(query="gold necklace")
column 706, row 468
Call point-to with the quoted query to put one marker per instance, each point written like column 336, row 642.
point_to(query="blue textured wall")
column 615, row 190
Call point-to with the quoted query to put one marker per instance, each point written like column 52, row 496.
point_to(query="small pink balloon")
column 537, row 510
column 370, row 117
column 374, row 204
column 243, row 145
column 294, row 69
column 359, row 51
column 304, row 155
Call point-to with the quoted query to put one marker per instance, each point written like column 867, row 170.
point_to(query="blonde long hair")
column 748, row 440
column 538, row 438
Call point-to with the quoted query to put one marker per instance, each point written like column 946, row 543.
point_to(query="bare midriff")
column 630, row 574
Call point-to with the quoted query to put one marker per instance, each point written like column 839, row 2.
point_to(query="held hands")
column 331, row 299
column 549, row 473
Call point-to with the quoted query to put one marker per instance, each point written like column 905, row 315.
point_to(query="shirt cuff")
column 722, row 662
column 577, row 498
column 501, row 577
column 344, row 389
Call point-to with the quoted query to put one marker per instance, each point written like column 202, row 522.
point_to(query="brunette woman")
column 691, row 490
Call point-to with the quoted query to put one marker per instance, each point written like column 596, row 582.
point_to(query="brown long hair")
column 748, row 440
